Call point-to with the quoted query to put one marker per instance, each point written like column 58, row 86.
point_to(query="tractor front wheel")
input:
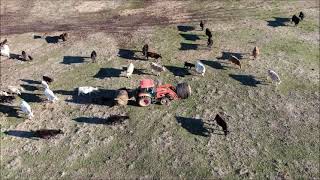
column 144, row 101
column 165, row 101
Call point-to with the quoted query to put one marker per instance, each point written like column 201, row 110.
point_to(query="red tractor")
column 148, row 93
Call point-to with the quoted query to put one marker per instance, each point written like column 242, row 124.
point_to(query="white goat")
column 25, row 107
column 5, row 50
column 200, row 68
column 86, row 90
column 50, row 95
column 158, row 68
column 15, row 90
column 45, row 84
column 130, row 70
column 274, row 76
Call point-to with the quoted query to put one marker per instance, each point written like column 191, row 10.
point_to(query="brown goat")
column 153, row 55
column 145, row 49
column 221, row 122
column 202, row 25
column 235, row 61
column 255, row 52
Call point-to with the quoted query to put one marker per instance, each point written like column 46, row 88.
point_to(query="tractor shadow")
column 227, row 55
column 279, row 21
column 20, row 134
column 106, row 121
column 129, row 54
column 190, row 37
column 214, row 64
column 108, row 73
column 247, row 80
column 183, row 28
column 73, row 59
column 9, row 111
column 178, row 71
column 194, row 126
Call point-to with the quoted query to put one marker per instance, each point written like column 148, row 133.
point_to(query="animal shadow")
column 16, row 56
column 29, row 87
column 247, row 80
column 108, row 72
column 29, row 81
column 11, row 111
column 72, row 59
column 185, row 28
column 28, row 97
column 190, row 37
column 37, row 37
column 21, row 134
column 194, row 126
column 178, row 71
column 187, row 46
column 101, row 97
column 112, row 120
column 213, row 64
column 129, row 54
column 278, row 21
column 227, row 55
column 137, row 71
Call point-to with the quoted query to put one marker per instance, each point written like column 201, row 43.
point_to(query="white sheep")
column 86, row 90
column 25, row 107
column 274, row 76
column 50, row 95
column 45, row 84
column 158, row 68
column 200, row 68
column 5, row 50
column 130, row 70
column 15, row 90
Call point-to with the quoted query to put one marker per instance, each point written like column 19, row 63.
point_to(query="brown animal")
column 93, row 56
column 153, row 55
column 208, row 33
column 202, row 25
column 63, row 36
column 145, row 49
column 47, row 133
column 221, row 122
column 235, row 60
column 255, row 52
column 210, row 42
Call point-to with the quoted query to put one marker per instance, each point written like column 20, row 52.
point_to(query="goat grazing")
column 295, row 19
column 153, row 55
column 47, row 79
column 201, row 25
column 47, row 133
column 25, row 107
column 255, row 52
column 274, row 76
column 188, row 65
column 301, row 15
column 130, row 70
column 157, row 67
column 93, row 56
column 200, row 68
column 50, row 95
column 86, row 90
column 235, row 61
column 145, row 49
column 208, row 33
column 5, row 50
column 221, row 122
column 16, row 89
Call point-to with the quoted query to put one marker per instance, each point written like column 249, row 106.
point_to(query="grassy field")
column 274, row 130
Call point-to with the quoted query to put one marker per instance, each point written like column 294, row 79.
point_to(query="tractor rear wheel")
column 144, row 101
column 165, row 101
column 183, row 90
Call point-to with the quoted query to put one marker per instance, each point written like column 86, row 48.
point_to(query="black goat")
column 301, row 15
column 145, row 49
column 47, row 79
column 188, row 65
column 202, row 25
column 208, row 33
column 221, row 122
column 295, row 19
column 93, row 56
column 47, row 133
column 153, row 55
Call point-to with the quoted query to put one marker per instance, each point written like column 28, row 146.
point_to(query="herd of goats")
column 9, row 95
